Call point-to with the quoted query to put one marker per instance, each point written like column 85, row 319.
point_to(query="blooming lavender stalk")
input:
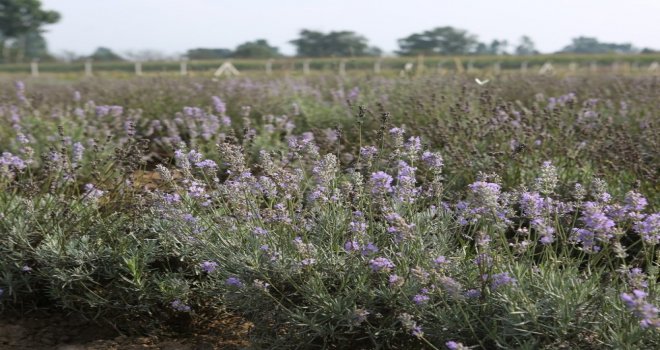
column 380, row 183
column 381, row 264
column 209, row 266
column 645, row 311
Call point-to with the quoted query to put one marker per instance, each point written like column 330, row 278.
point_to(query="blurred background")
column 508, row 33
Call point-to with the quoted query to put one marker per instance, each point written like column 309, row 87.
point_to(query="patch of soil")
column 63, row 332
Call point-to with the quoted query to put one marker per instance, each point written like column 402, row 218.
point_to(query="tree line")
column 22, row 22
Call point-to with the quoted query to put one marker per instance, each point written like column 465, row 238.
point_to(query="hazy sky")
column 173, row 26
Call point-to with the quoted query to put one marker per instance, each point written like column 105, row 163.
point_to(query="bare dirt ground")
column 62, row 332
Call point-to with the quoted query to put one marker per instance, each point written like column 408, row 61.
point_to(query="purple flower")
column 635, row 201
column 499, row 279
column 308, row 262
column 381, row 264
column 354, row 93
column 234, row 282
column 440, row 260
column 413, row 146
column 171, row 198
column 351, row 246
column 394, row 280
column 417, row 331
column 178, row 305
column 259, row 231
column 209, row 266
column 472, row 293
column 380, row 182
column 452, row 345
column 646, row 312
column 649, row 228
column 368, row 151
column 26, row 268
column 421, row 299
column 369, row 249
column 218, row 105
column 405, row 188
column 433, row 160
column 209, row 164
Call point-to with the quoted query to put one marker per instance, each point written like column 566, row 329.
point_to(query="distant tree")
column 104, row 54
column 592, row 45
column 22, row 21
column 208, row 54
column 526, row 47
column 337, row 43
column 147, row 55
column 649, row 50
column 438, row 41
column 256, row 49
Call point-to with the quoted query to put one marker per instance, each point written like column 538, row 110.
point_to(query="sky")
column 174, row 26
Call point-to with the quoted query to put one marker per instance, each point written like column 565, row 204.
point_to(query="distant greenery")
column 333, row 44
column 21, row 25
column 592, row 45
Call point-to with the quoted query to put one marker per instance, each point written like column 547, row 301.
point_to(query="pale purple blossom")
column 381, row 264
column 209, row 266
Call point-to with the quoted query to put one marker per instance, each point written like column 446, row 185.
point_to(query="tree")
column 256, row 49
column 441, row 40
column 104, row 54
column 584, row 44
column 526, row 46
column 337, row 43
column 20, row 22
column 208, row 54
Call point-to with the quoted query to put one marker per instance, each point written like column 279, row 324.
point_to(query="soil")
column 63, row 332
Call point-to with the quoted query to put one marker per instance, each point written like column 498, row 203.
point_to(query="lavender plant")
column 443, row 232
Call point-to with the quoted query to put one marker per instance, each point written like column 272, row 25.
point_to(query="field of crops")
column 427, row 212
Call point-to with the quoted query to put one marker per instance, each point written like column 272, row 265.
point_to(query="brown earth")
column 63, row 332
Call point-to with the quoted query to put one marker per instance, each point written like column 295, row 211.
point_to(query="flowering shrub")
column 318, row 241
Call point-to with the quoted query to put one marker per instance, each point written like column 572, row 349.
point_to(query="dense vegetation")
column 378, row 212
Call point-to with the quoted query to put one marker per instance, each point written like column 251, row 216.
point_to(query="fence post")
column 34, row 68
column 420, row 64
column 88, row 68
column 138, row 68
column 183, row 67
column 470, row 66
column 523, row 67
column 269, row 67
column 654, row 67
column 342, row 68
column 306, row 67
column 497, row 67
column 377, row 65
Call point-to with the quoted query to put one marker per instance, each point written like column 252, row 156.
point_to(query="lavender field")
column 366, row 212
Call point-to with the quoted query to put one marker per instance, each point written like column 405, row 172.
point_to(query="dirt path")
column 63, row 332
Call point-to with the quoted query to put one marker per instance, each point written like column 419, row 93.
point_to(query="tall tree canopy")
column 438, row 41
column 585, row 44
column 21, row 25
column 19, row 17
column 337, row 43
column 526, row 46
column 208, row 54
column 256, row 49
column 104, row 54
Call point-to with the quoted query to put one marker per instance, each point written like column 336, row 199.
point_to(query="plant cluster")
column 461, row 219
